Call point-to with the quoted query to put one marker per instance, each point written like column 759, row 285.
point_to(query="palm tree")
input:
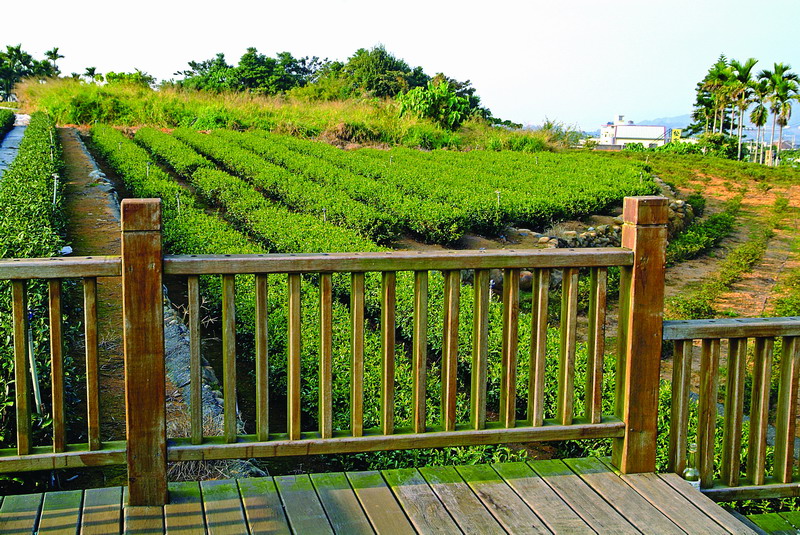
column 759, row 115
column 90, row 73
column 53, row 56
column 787, row 91
column 775, row 79
column 742, row 92
column 714, row 82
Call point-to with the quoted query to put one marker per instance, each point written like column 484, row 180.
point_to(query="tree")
column 759, row 115
column 778, row 81
column 741, row 90
column 16, row 64
column 378, row 73
column 137, row 77
column 210, row 75
column 92, row 75
column 53, row 56
column 439, row 102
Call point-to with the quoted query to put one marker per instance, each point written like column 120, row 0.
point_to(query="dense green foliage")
column 31, row 226
column 6, row 122
column 438, row 102
column 704, row 234
column 16, row 64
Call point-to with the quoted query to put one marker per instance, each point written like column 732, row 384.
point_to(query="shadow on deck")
column 572, row 496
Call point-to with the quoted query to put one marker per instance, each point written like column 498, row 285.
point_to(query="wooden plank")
column 508, row 509
column 785, row 417
column 378, row 502
column 770, row 489
column 459, row 500
column 102, row 511
column 452, row 287
column 77, row 456
column 711, row 509
column 759, row 410
column 341, row 504
column 420, row 350
column 679, row 412
column 480, row 349
column 92, row 363
column 388, row 311
column 19, row 514
column 183, row 515
column 792, row 517
column 629, row 503
column 325, row 356
column 707, row 417
column 554, row 512
column 731, row 327
column 21, row 381
column 672, row 503
column 57, row 365
column 508, row 373
column 143, row 342
column 143, row 520
column 302, row 505
column 639, row 333
column 393, row 261
column 734, row 411
column 195, row 363
column 293, row 359
column 60, row 267
column 223, row 507
column 262, row 357
column 311, row 444
column 262, row 506
column 61, row 513
column 581, row 498
column 229, row 357
column 596, row 344
column 357, row 356
column 565, row 400
column 538, row 358
column 419, row 502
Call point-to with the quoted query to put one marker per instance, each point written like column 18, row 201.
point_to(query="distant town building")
column 621, row 132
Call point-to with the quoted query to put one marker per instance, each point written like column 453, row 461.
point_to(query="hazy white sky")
column 579, row 62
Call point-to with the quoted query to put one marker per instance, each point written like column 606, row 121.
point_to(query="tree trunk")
column 772, row 139
column 739, row 151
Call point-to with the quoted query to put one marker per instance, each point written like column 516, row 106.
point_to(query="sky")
column 580, row 62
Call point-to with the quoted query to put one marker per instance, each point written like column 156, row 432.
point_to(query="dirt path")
column 93, row 229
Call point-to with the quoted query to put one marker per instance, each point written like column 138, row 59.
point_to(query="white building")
column 622, row 132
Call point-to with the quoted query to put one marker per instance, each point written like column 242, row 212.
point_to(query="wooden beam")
column 143, row 341
column 731, row 328
column 59, row 267
column 641, row 313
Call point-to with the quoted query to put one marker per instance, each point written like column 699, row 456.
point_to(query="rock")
column 525, row 280
column 544, row 239
column 570, row 234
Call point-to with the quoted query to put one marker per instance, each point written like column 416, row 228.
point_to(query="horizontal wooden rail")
column 395, row 261
column 729, row 339
column 248, row 446
column 60, row 267
column 75, row 456
column 731, row 328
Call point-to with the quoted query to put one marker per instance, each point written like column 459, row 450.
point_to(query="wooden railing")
column 734, row 482
column 142, row 266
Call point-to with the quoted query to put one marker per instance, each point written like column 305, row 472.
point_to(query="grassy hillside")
column 359, row 120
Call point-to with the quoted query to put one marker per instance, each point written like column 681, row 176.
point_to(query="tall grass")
column 360, row 120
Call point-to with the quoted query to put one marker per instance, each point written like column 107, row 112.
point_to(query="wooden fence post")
column 641, row 311
column 143, row 315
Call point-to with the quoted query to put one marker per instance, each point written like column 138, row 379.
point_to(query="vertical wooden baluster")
column 707, row 417
column 541, row 288
column 262, row 358
column 420, row 352
column 57, row 365
column 480, row 348
column 759, row 411
column 293, row 373
column 641, row 304
column 734, row 411
column 229, row 355
column 787, row 409
column 21, row 382
column 92, row 363
column 596, row 345
column 387, row 342
column 508, row 378
column 325, row 356
column 195, row 364
column 566, row 361
column 452, row 287
column 679, row 413
column 357, row 357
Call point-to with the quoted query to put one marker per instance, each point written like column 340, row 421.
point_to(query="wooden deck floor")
column 572, row 496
